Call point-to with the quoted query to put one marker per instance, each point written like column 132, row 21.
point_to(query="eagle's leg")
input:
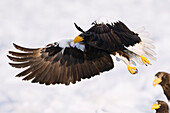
column 125, row 58
column 145, row 60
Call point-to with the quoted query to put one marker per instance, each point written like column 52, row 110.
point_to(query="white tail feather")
column 144, row 48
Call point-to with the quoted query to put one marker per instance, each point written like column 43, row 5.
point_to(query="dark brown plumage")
column 84, row 57
column 161, row 107
column 164, row 82
column 50, row 66
column 117, row 39
column 109, row 37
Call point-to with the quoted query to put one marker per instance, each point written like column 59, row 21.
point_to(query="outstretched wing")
column 110, row 37
column 54, row 64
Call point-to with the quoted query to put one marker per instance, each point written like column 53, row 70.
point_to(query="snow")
column 36, row 23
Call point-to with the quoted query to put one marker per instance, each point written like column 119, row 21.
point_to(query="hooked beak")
column 156, row 81
column 155, row 106
column 78, row 39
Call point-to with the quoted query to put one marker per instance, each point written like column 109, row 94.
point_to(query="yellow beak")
column 156, row 81
column 78, row 39
column 155, row 106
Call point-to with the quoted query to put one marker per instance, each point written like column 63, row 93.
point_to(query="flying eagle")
column 84, row 57
column 163, row 79
column 160, row 107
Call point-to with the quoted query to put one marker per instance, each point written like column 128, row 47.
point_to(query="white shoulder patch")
column 79, row 46
column 70, row 43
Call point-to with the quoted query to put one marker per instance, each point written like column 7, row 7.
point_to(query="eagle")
column 160, row 107
column 85, row 56
column 163, row 79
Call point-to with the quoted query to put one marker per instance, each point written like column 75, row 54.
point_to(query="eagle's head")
column 160, row 107
column 160, row 78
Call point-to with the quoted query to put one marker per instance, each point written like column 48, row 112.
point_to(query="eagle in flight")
column 86, row 56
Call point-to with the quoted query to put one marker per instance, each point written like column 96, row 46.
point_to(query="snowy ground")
column 35, row 23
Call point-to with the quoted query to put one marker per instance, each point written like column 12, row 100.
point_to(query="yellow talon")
column 145, row 60
column 132, row 70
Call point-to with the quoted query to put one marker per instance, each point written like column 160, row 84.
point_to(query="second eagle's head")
column 161, row 78
column 160, row 107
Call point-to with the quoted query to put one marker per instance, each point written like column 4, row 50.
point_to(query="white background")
column 35, row 23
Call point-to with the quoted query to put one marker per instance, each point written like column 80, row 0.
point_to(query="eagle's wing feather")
column 111, row 37
column 127, row 37
column 53, row 64
column 118, row 37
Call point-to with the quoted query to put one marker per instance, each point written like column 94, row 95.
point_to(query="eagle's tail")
column 143, row 49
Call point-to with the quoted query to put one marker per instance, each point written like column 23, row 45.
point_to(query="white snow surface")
column 36, row 23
